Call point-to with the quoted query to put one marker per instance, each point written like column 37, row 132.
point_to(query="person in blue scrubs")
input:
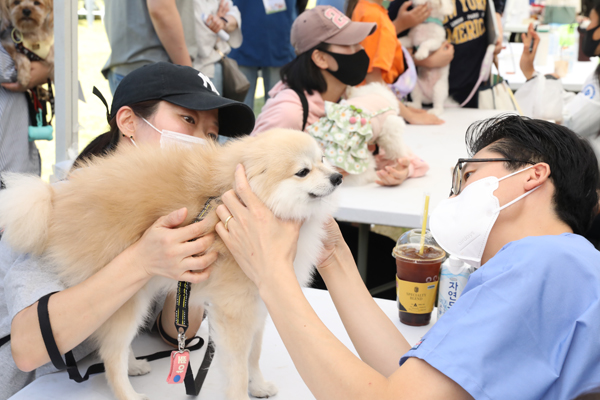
column 527, row 325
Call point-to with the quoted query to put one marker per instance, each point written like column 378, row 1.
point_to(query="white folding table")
column 276, row 364
column 508, row 62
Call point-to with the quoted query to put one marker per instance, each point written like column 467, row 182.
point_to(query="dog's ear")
column 4, row 15
column 49, row 21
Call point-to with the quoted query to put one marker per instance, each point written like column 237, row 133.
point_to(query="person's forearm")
column 167, row 24
column 499, row 23
column 362, row 316
column 327, row 367
column 375, row 76
column 400, row 26
column 75, row 313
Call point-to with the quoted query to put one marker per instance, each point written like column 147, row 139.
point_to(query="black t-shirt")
column 466, row 30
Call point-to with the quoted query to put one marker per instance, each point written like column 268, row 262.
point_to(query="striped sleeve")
column 17, row 153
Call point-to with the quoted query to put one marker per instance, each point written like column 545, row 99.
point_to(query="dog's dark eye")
column 37, row 3
column 303, row 172
column 17, row 2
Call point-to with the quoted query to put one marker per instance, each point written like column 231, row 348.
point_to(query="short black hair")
column 302, row 74
column 573, row 163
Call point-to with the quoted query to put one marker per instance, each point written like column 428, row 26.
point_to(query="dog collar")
column 205, row 210
column 34, row 51
column 434, row 21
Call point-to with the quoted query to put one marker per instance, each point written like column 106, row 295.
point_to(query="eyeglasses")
column 457, row 175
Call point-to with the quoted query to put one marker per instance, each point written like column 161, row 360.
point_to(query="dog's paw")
column 138, row 367
column 436, row 111
column 262, row 389
column 413, row 104
column 421, row 54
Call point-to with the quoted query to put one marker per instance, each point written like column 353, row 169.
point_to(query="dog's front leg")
column 233, row 328
column 257, row 385
column 417, row 96
column 440, row 91
column 427, row 47
column 23, row 66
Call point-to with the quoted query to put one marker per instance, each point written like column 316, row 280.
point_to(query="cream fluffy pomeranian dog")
column 80, row 225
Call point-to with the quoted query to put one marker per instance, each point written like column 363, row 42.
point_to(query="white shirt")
column 208, row 42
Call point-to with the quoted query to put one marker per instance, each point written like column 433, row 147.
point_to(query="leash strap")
column 4, row 340
column 181, row 311
column 71, row 364
column 51, row 99
column 193, row 386
column 46, row 328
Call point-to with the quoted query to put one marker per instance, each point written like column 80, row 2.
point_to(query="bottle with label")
column 454, row 276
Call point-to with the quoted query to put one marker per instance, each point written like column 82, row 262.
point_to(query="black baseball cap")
column 185, row 87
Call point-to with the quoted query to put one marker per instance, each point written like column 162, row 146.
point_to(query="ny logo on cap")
column 336, row 16
column 208, row 83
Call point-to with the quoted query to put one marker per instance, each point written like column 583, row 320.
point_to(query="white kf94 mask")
column 169, row 138
column 461, row 225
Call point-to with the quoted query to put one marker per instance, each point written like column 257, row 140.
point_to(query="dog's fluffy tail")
column 25, row 209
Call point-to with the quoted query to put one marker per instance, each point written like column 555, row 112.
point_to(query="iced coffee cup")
column 417, row 276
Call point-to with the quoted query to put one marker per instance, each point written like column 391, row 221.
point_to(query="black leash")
column 192, row 385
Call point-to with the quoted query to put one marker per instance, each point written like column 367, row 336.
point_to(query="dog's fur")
column 388, row 127
column 36, row 24
column 432, row 85
column 80, row 225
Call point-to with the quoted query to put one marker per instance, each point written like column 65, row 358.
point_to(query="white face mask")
column 461, row 225
column 169, row 138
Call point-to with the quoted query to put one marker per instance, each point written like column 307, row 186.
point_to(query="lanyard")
column 192, row 386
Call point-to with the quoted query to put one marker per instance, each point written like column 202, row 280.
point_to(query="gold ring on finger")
column 227, row 221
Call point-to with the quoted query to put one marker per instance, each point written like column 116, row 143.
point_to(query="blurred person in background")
column 142, row 32
column 467, row 41
column 266, row 46
column 220, row 15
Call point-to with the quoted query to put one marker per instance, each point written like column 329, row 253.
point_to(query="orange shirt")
column 382, row 46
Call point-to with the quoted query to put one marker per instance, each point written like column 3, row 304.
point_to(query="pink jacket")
column 284, row 110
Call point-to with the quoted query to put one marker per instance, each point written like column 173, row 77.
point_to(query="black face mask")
column 352, row 68
column 589, row 44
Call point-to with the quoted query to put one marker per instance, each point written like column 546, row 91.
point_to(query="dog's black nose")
column 26, row 12
column 335, row 179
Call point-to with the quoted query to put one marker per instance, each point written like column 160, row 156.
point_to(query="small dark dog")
column 27, row 34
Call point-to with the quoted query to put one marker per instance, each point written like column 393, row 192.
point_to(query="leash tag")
column 179, row 364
